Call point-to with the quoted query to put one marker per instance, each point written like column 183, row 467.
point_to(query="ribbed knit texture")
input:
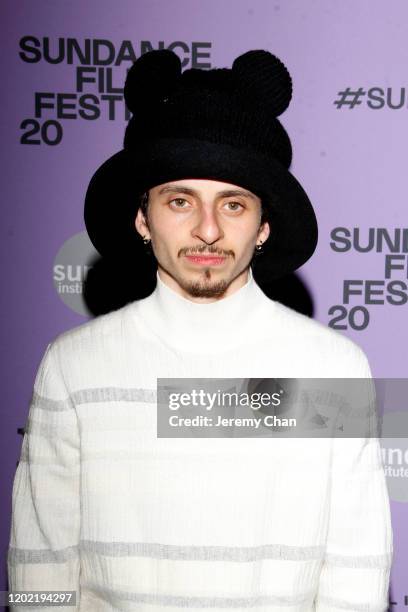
column 135, row 522
column 238, row 106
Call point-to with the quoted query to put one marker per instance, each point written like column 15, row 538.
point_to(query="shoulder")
column 319, row 342
column 91, row 339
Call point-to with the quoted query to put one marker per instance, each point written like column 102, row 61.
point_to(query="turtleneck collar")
column 202, row 327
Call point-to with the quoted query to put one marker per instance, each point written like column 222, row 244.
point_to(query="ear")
column 141, row 224
column 264, row 231
column 151, row 77
column 263, row 78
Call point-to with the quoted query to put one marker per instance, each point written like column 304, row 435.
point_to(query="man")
column 132, row 521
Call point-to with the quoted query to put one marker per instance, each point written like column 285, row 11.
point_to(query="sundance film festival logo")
column 360, row 295
column 98, row 76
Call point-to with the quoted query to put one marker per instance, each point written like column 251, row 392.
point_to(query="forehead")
column 204, row 187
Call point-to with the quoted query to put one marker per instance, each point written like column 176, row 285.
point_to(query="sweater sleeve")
column 43, row 553
column 355, row 574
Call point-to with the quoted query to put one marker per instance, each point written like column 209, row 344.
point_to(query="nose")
column 207, row 228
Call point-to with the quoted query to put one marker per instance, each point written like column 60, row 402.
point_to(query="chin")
column 213, row 290
column 204, row 283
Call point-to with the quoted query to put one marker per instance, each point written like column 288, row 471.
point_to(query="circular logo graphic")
column 71, row 265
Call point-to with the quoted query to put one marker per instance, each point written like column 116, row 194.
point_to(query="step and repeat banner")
column 63, row 113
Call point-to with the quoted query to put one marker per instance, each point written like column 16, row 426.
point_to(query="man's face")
column 203, row 234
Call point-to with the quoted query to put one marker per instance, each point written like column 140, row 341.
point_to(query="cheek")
column 165, row 222
column 166, row 234
column 243, row 230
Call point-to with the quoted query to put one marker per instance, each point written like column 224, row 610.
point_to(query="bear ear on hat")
column 260, row 74
column 150, row 78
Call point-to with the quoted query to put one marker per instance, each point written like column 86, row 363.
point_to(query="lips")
column 206, row 259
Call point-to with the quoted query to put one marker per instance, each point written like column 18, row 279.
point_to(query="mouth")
column 208, row 260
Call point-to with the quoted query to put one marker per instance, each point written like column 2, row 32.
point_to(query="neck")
column 197, row 327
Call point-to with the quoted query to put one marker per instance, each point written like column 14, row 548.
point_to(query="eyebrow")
column 227, row 193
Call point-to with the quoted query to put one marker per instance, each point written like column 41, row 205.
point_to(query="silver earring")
column 259, row 247
column 146, row 240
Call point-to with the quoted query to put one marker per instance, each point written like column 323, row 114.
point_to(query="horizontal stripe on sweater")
column 199, row 553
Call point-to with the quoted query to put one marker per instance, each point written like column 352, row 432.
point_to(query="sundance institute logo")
column 71, row 266
column 394, row 452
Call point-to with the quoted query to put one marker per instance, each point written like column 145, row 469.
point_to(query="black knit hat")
column 218, row 124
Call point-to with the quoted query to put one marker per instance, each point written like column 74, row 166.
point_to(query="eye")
column 235, row 204
column 178, row 201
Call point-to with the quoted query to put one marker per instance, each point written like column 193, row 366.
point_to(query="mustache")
column 206, row 250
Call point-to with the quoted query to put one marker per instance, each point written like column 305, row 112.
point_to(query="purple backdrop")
column 348, row 154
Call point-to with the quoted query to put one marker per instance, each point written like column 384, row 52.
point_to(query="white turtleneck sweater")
column 130, row 521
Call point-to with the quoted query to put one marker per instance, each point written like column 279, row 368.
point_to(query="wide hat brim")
column 113, row 195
